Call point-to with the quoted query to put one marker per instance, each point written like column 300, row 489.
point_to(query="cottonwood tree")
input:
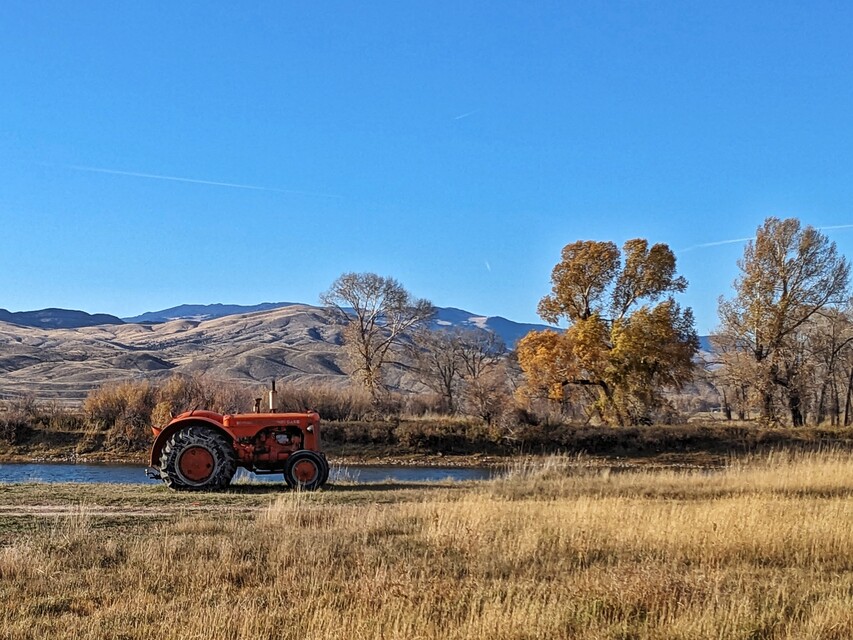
column 486, row 392
column 627, row 338
column 435, row 355
column 731, row 372
column 845, row 365
column 480, row 351
column 460, row 363
column 822, row 349
column 376, row 311
column 830, row 340
column 788, row 273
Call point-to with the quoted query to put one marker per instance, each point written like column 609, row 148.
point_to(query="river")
column 135, row 474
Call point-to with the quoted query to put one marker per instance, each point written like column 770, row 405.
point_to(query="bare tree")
column 435, row 355
column 377, row 311
column 829, row 340
column 456, row 362
column 731, row 372
column 480, row 351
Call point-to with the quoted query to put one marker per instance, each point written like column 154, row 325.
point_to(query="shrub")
column 16, row 421
column 122, row 410
column 55, row 417
column 126, row 411
column 343, row 404
column 444, row 436
column 19, row 418
column 185, row 393
column 422, row 404
column 363, row 433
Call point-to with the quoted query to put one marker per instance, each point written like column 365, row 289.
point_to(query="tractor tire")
column 197, row 458
column 306, row 470
column 325, row 470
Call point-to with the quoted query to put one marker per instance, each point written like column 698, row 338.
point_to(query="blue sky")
column 456, row 146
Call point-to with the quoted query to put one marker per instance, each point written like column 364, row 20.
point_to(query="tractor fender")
column 176, row 425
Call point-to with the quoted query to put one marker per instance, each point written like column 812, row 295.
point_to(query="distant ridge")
column 201, row 312
column 509, row 331
column 57, row 318
column 41, row 353
column 445, row 317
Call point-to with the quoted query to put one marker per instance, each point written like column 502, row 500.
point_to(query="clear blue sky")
column 456, row 146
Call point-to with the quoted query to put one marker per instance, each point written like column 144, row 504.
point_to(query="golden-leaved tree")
column 627, row 339
column 790, row 277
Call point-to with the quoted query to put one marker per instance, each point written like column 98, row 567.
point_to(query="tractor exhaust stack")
column 273, row 398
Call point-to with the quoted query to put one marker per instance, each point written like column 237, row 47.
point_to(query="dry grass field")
column 762, row 549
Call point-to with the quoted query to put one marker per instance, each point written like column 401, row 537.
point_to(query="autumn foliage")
column 627, row 338
column 784, row 333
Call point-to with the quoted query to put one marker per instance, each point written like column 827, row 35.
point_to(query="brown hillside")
column 293, row 343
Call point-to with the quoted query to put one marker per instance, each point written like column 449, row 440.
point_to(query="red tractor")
column 201, row 450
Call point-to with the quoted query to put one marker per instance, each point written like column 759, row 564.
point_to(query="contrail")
column 232, row 185
column 837, row 226
column 718, row 243
column 465, row 115
column 715, row 244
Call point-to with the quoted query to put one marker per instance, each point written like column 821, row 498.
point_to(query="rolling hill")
column 204, row 311
column 445, row 317
column 294, row 342
column 61, row 355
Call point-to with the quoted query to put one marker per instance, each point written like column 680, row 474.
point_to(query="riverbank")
column 760, row 549
column 457, row 443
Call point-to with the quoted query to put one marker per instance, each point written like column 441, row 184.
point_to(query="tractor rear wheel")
column 197, row 458
column 325, row 478
column 306, row 470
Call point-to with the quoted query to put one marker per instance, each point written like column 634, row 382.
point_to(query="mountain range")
column 448, row 317
column 204, row 311
column 62, row 354
column 57, row 318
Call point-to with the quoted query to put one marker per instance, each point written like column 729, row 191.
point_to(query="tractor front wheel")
column 306, row 470
column 197, row 458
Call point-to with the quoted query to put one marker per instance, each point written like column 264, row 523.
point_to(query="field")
column 761, row 549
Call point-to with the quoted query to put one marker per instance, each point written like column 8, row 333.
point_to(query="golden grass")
column 762, row 549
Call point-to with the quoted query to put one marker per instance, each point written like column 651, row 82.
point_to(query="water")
column 134, row 474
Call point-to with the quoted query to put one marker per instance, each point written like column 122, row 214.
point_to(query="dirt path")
column 100, row 511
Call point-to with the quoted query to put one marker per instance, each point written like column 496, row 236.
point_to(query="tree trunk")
column 795, row 406
column 447, row 391
column 373, row 384
column 609, row 395
column 849, row 401
column 741, row 406
column 767, row 406
column 836, row 406
column 821, row 411
column 727, row 408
